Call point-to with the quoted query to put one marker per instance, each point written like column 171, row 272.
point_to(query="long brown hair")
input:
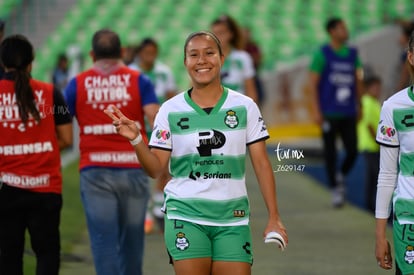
column 16, row 54
column 237, row 40
column 411, row 50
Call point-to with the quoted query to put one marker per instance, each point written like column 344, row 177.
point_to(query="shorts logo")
column 246, row 248
column 231, row 120
column 409, row 254
column 387, row 131
column 181, row 242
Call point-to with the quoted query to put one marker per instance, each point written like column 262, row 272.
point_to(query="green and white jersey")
column 237, row 67
column 208, row 154
column 396, row 129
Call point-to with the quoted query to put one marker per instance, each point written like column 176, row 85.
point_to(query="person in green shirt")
column 367, row 131
column 335, row 75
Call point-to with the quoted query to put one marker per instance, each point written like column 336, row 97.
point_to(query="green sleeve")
column 318, row 62
column 358, row 63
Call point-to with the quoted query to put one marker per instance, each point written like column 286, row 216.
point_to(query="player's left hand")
column 277, row 226
column 383, row 253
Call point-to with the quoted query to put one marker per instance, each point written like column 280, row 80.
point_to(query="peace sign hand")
column 124, row 126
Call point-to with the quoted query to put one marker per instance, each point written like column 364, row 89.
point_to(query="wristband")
column 137, row 140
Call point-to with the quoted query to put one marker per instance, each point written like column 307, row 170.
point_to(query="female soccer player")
column 202, row 134
column 238, row 71
column 395, row 180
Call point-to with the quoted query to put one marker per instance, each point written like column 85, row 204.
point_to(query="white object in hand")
column 274, row 237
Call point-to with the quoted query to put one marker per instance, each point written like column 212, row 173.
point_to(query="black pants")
column 40, row 214
column 346, row 129
column 372, row 170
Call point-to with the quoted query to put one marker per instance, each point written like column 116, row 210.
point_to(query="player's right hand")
column 123, row 125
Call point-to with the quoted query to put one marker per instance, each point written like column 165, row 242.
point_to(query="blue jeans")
column 115, row 202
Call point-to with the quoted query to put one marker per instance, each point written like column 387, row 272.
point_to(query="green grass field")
column 322, row 240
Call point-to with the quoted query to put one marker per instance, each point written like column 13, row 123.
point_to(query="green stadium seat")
column 285, row 29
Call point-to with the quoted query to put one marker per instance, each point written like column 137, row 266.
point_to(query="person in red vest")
column 114, row 188
column 35, row 125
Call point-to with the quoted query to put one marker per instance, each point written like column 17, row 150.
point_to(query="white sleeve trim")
column 387, row 181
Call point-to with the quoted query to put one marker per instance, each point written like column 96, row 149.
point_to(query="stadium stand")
column 6, row 7
column 285, row 29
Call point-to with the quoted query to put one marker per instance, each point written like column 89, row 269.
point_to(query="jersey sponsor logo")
column 183, row 123
column 209, row 175
column 181, row 242
column 102, row 129
column 231, row 119
column 10, row 115
column 25, row 181
column 194, row 175
column 26, row 149
column 387, row 135
column 210, row 162
column 104, row 90
column 216, row 175
column 162, row 135
column 408, row 121
column 109, row 157
column 387, row 131
column 209, row 141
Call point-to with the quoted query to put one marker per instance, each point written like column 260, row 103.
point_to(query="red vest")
column 29, row 154
column 99, row 144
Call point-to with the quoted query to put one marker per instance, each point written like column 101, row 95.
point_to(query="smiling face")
column 203, row 60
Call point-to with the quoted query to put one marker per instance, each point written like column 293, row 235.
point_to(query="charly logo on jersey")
column 181, row 242
column 10, row 115
column 183, row 123
column 408, row 120
column 103, row 91
column 210, row 140
column 231, row 119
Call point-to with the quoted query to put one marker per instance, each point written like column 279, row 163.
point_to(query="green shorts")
column 404, row 246
column 186, row 240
